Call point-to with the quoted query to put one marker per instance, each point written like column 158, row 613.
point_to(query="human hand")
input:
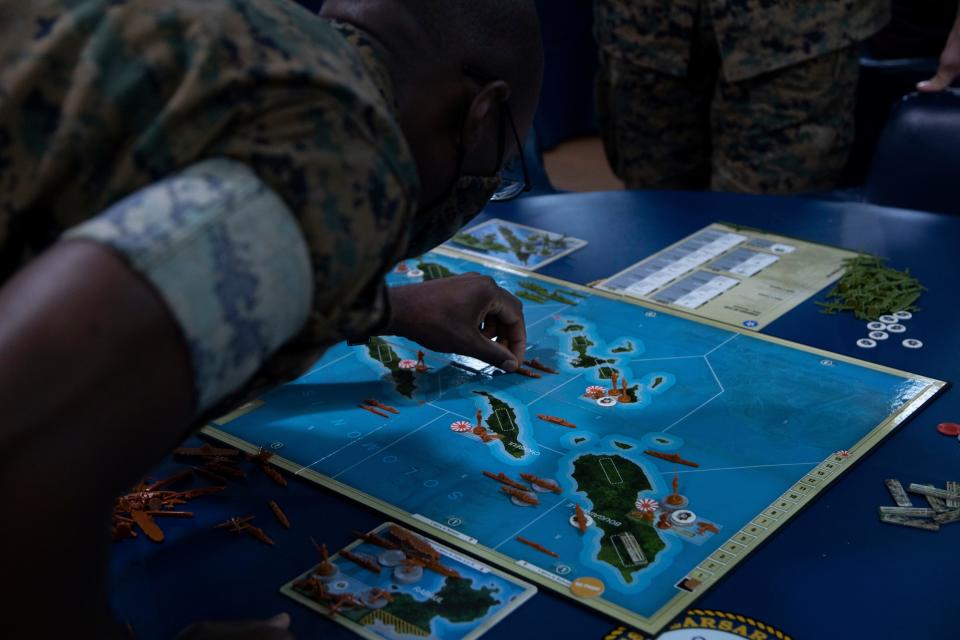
column 949, row 63
column 446, row 314
column 276, row 628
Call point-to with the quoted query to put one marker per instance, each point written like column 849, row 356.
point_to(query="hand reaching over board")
column 462, row 314
column 949, row 68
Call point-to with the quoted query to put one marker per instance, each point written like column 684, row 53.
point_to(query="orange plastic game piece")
column 280, row 515
column 522, row 496
column 360, row 561
column 556, row 420
column 415, row 543
column 147, row 525
column 663, row 522
column 373, row 402
column 707, row 526
column 581, row 518
column 421, row 365
column 538, row 547
column 373, row 410
column 502, row 477
column 675, row 499
column 671, row 457
column 375, row 540
column 325, row 568
column 536, row 364
column 543, row 483
column 527, row 373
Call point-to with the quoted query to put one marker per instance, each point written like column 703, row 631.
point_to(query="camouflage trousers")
column 783, row 132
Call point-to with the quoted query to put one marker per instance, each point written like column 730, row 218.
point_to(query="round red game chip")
column 949, row 428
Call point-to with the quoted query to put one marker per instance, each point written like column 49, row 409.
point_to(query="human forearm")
column 949, row 68
column 95, row 385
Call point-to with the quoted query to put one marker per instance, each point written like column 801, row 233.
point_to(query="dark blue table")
column 834, row 571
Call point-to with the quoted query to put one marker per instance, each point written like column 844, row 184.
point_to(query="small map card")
column 395, row 584
column 514, row 244
column 730, row 274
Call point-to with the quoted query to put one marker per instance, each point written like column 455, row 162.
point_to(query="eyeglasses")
column 509, row 188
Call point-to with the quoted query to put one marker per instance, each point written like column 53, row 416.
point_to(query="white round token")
column 896, row 328
column 418, row 273
column 876, row 326
column 879, row 335
column 866, row 343
column 912, row 343
column 607, row 401
column 683, row 518
column 889, row 319
column 903, row 315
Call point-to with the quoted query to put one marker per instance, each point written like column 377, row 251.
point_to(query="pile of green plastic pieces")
column 870, row 290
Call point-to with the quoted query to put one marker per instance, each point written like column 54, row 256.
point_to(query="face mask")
column 436, row 225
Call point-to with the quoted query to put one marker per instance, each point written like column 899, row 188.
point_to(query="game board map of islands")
column 514, row 244
column 643, row 456
column 384, row 595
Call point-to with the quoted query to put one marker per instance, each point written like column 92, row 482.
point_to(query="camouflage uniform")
column 100, row 99
column 735, row 95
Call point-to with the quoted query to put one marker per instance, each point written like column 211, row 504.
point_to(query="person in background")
column 732, row 95
column 197, row 199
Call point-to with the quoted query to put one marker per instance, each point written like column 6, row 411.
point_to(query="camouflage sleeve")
column 341, row 177
column 227, row 257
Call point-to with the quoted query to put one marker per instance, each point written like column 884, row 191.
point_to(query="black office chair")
column 881, row 85
column 917, row 162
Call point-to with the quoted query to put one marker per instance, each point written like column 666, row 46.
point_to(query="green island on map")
column 434, row 271
column 504, row 413
column 456, row 601
column 627, row 348
column 488, row 243
column 581, row 344
column 611, row 483
column 537, row 293
column 403, row 379
column 572, row 327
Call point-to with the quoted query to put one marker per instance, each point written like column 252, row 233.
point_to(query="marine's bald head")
column 428, row 42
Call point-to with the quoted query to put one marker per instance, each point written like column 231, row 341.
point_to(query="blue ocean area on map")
column 753, row 415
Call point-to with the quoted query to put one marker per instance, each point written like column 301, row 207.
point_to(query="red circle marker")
column 949, row 428
column 461, row 426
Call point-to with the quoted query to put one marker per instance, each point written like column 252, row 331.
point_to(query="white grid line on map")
column 559, row 453
column 730, row 339
column 563, row 384
column 336, row 451
column 379, row 451
column 756, row 466
column 664, row 358
column 715, row 376
column 526, row 526
column 719, row 384
column 324, row 366
column 453, row 413
column 693, row 412
column 548, row 316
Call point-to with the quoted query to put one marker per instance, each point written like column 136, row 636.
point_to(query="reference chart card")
column 737, row 276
